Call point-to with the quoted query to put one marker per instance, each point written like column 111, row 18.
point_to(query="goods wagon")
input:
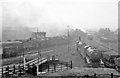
column 111, row 59
column 89, row 54
column 92, row 55
column 117, row 64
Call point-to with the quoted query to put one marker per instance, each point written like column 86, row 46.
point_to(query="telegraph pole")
column 23, row 54
column 38, row 52
column 37, row 46
column 68, row 39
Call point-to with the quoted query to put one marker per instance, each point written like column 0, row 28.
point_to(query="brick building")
column 38, row 35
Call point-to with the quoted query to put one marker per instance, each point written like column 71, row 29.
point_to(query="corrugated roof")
column 111, row 53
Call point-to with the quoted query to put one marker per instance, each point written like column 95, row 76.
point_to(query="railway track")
column 100, row 45
column 32, row 55
column 106, row 46
column 34, row 61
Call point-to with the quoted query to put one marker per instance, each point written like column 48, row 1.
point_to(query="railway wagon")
column 117, row 64
column 93, row 56
column 111, row 59
column 90, row 54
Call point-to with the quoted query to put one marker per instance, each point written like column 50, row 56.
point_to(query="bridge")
column 35, row 61
column 49, row 64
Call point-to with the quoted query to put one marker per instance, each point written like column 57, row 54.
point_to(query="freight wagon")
column 111, row 59
column 91, row 55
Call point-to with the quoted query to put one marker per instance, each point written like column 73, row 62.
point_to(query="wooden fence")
column 18, row 70
column 54, row 67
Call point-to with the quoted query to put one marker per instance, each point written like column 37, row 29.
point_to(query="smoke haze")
column 53, row 16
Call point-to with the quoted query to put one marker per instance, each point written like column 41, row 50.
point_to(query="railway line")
column 34, row 61
column 58, row 52
column 105, row 46
column 30, row 55
column 92, row 46
column 99, row 45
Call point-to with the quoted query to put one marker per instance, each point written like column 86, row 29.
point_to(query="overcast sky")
column 57, row 14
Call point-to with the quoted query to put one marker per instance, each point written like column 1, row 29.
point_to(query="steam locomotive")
column 91, row 55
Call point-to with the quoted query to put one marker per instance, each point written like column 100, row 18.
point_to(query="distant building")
column 38, row 35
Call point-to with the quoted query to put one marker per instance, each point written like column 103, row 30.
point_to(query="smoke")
column 54, row 16
column 33, row 14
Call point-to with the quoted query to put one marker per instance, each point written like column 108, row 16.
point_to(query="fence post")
column 28, row 68
column 54, row 67
column 2, row 72
column 8, row 70
column 19, row 70
column 94, row 75
column 67, row 65
column 14, row 69
column 71, row 65
column 61, row 66
column 23, row 69
column 111, row 75
column 48, row 67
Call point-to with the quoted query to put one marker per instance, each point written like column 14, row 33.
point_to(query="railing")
column 19, row 69
column 59, row 67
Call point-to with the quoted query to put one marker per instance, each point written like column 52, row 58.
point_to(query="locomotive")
column 90, row 54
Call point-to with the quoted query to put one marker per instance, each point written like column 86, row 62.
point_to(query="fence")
column 31, row 68
column 19, row 70
column 51, row 67
column 61, row 66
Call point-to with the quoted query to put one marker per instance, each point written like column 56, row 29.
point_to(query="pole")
column 23, row 57
column 71, row 65
column 21, row 54
column 2, row 71
column 68, row 38
column 111, row 75
column 38, row 51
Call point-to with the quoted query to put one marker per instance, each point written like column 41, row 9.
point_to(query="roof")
column 111, row 53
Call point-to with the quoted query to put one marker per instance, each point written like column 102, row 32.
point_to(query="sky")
column 53, row 15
